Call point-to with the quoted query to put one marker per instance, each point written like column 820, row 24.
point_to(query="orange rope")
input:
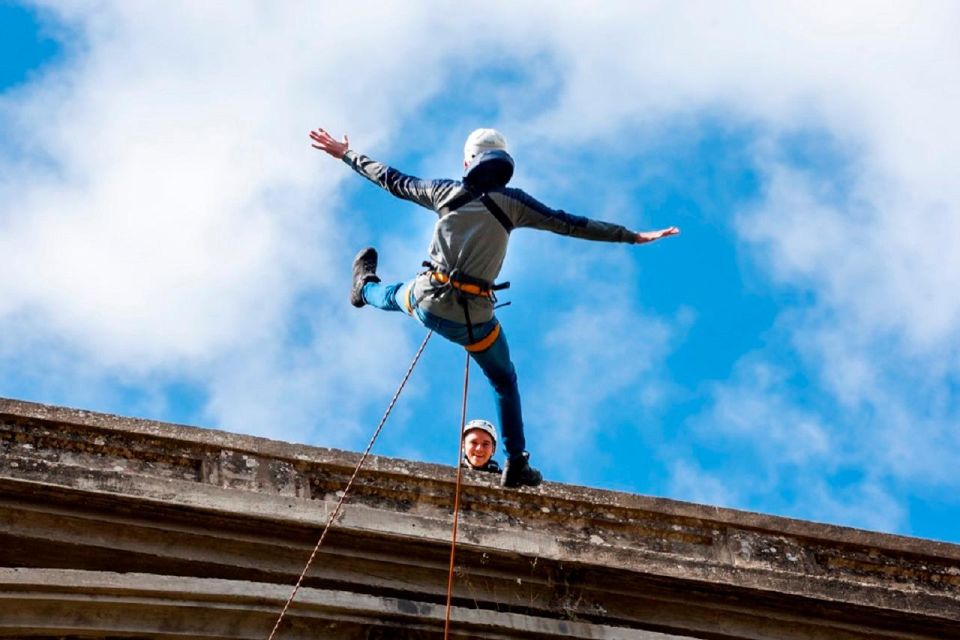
column 343, row 496
column 456, row 500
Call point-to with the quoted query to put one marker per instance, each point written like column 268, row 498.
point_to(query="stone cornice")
column 135, row 604
column 578, row 553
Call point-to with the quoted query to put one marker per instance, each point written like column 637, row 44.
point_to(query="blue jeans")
column 494, row 361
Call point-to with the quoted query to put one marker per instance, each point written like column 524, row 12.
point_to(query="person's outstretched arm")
column 426, row 193
column 527, row 211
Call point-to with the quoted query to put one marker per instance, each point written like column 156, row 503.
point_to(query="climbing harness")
column 464, row 284
column 336, row 511
column 464, row 287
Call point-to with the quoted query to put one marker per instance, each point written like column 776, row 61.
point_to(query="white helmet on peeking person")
column 482, row 425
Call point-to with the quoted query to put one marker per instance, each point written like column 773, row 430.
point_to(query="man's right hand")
column 650, row 236
column 325, row 142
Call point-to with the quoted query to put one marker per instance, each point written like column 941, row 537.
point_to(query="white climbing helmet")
column 484, row 426
column 483, row 140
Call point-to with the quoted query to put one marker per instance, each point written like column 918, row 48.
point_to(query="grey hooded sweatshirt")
column 470, row 238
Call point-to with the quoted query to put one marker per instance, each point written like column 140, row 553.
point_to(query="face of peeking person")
column 478, row 447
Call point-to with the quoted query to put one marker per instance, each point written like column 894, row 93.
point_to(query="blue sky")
column 174, row 249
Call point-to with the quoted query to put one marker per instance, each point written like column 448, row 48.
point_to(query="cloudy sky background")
column 172, row 247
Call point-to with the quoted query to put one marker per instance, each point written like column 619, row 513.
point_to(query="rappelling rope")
column 336, row 511
column 456, row 499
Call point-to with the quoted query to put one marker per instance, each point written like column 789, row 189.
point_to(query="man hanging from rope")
column 455, row 295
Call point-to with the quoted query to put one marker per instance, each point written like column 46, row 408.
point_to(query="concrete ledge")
column 77, row 488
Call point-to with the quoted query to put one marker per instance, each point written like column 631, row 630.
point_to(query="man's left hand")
column 325, row 142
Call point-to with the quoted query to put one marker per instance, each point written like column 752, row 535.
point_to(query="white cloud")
column 597, row 359
column 164, row 214
column 325, row 390
column 184, row 208
column 755, row 409
column 771, row 448
column 885, row 261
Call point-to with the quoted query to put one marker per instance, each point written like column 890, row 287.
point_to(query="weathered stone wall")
column 112, row 527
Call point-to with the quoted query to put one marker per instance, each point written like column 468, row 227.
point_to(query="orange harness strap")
column 467, row 288
column 408, row 302
column 487, row 342
column 472, row 289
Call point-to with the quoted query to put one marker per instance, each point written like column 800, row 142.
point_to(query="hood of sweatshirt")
column 489, row 170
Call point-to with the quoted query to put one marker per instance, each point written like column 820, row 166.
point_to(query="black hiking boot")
column 364, row 271
column 517, row 471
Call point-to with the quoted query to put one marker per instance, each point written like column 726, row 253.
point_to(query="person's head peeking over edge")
column 479, row 445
